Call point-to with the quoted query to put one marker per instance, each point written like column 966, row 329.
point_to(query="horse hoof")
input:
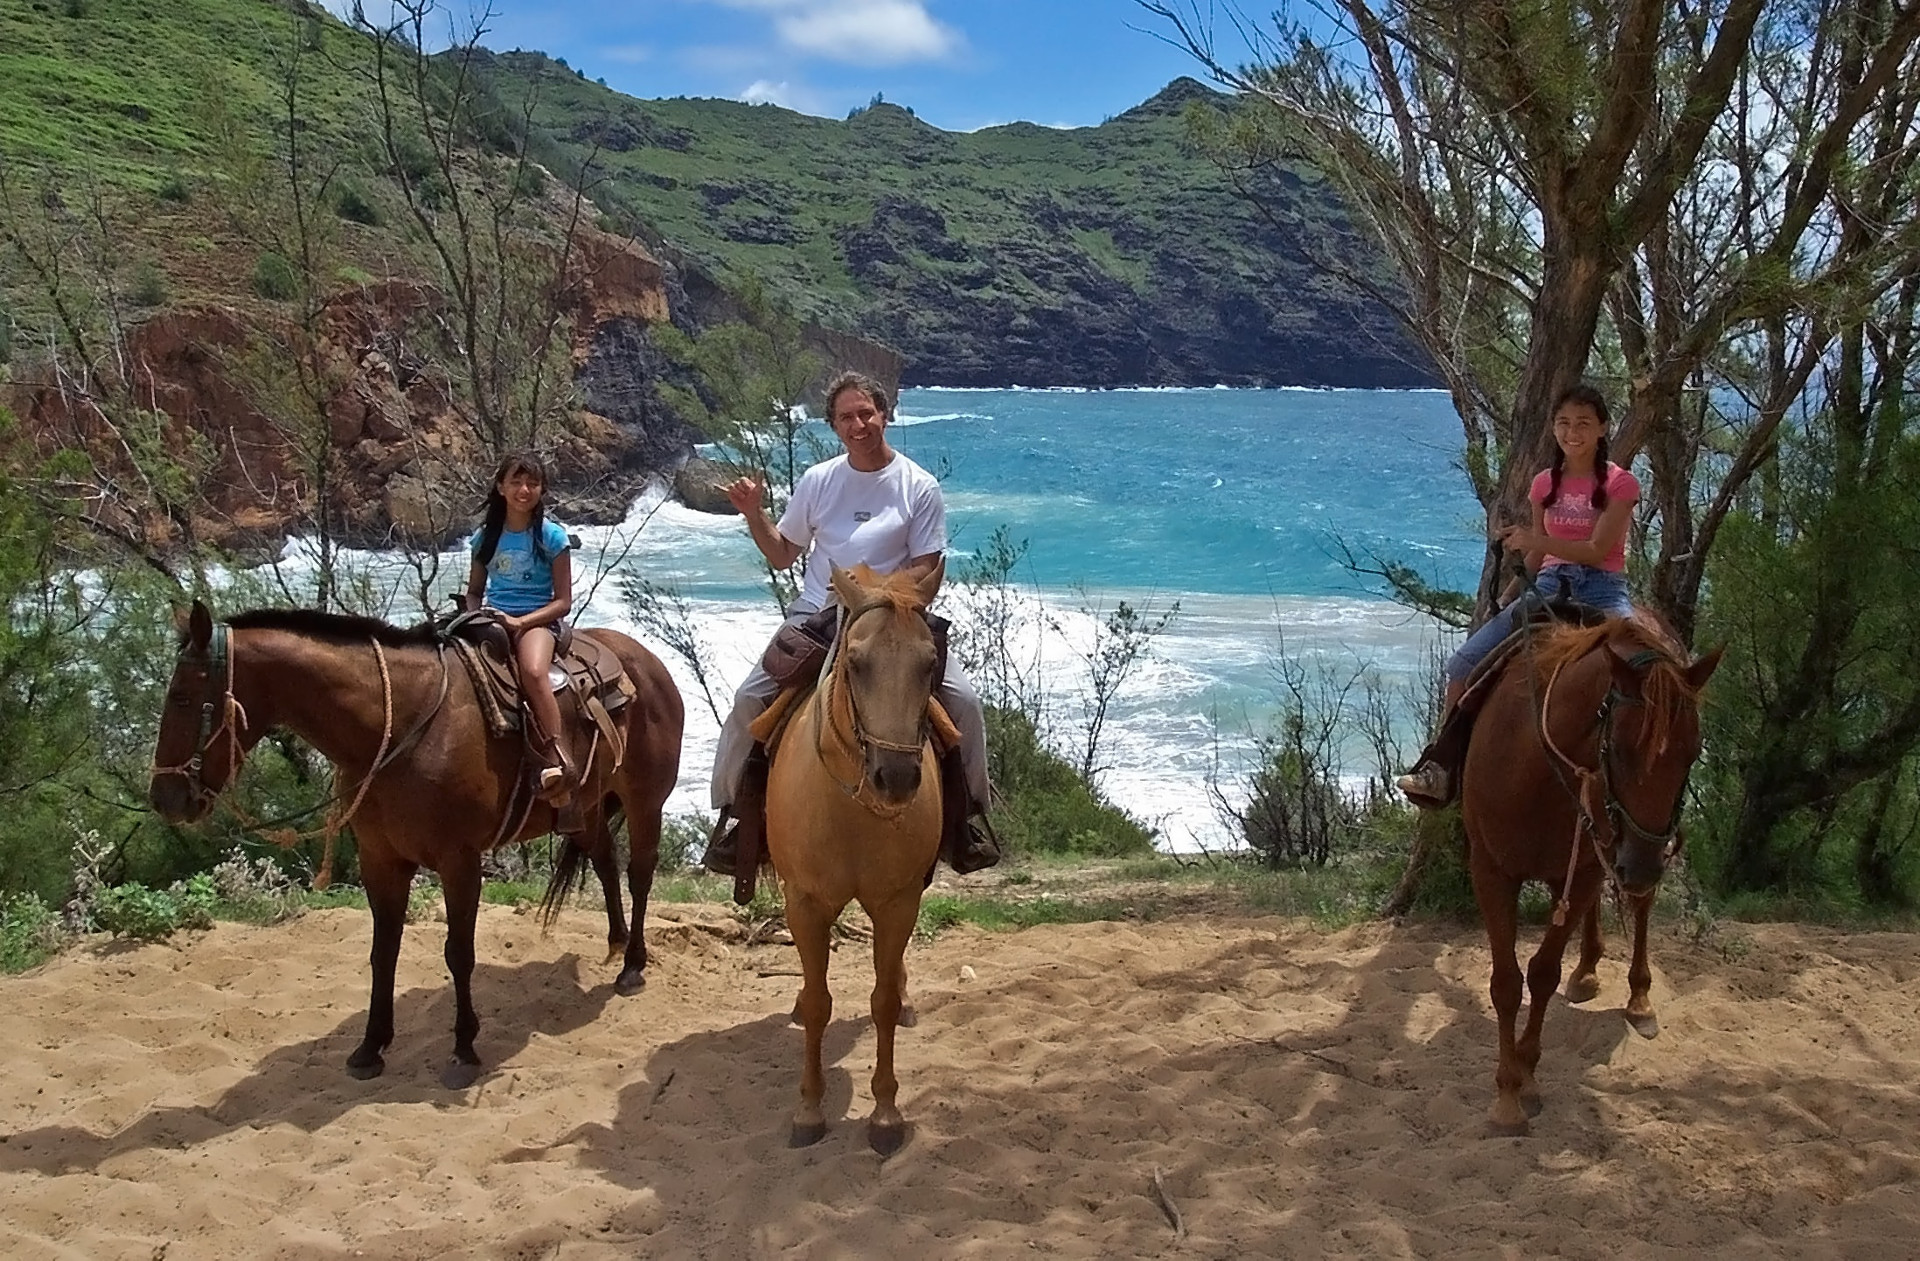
column 887, row 1139
column 458, row 1074
column 1508, row 1119
column 908, row 1018
column 1583, row 988
column 631, row 982
column 807, row 1133
column 366, row 1069
column 1647, row 1025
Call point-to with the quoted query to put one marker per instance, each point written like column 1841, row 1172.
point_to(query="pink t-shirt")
column 1573, row 515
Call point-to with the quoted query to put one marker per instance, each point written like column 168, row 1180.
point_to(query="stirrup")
column 977, row 847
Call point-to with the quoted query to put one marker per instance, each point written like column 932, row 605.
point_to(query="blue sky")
column 960, row 64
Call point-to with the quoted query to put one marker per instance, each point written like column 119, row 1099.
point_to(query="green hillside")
column 1019, row 254
column 1102, row 255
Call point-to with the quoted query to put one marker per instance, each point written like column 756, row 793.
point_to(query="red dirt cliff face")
column 218, row 388
column 403, row 460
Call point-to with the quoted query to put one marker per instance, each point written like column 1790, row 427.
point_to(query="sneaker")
column 1427, row 785
column 723, row 847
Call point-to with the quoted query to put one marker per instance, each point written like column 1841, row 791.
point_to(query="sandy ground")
column 1302, row 1093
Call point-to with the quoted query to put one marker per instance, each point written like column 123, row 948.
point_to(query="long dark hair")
column 1591, row 397
column 496, row 519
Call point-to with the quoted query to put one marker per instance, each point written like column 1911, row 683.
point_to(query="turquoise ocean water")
column 1227, row 501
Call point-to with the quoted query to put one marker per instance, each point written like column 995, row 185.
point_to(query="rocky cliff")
column 405, row 464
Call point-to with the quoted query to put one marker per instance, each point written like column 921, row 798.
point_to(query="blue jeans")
column 1600, row 588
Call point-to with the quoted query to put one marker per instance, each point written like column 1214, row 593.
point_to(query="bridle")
column 233, row 721
column 218, row 663
column 863, row 740
column 1592, row 790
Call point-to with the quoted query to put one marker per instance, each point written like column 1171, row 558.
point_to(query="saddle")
column 1449, row 746
column 583, row 668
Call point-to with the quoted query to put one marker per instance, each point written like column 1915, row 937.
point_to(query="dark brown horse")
column 423, row 782
column 1574, row 776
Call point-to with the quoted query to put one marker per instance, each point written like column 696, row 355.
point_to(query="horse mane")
column 898, row 588
column 1664, row 686
column 335, row 628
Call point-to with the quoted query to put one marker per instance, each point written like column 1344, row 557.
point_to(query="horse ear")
column 929, row 585
column 847, row 587
column 1701, row 670
column 199, row 626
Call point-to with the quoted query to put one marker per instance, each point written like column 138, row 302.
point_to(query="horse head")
column 886, row 663
column 203, row 730
column 1649, row 738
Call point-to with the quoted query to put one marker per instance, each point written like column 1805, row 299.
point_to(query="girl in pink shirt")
column 1576, row 546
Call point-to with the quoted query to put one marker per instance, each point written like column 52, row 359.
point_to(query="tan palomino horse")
column 853, row 813
column 398, row 718
column 1574, row 775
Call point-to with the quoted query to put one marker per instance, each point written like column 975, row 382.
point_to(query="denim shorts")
column 1602, row 589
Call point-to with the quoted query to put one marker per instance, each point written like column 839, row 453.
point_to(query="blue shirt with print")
column 518, row 579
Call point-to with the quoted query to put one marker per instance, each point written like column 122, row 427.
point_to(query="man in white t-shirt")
column 871, row 506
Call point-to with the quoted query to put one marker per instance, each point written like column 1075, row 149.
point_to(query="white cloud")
column 794, row 96
column 879, row 32
column 627, row 54
column 761, row 92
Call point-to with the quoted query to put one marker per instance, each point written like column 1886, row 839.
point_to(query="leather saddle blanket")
column 583, row 668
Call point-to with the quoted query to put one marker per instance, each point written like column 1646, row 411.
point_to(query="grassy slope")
column 119, row 90
column 895, row 228
column 1014, row 253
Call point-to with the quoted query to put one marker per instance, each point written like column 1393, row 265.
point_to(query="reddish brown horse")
column 1574, row 775
column 426, row 786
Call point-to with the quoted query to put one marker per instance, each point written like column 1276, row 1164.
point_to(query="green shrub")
column 174, row 188
column 1296, row 814
column 529, row 181
column 1044, row 806
column 149, row 285
column 274, row 277
column 29, row 932
column 134, row 910
column 353, row 205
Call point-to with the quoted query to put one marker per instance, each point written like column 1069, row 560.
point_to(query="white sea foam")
column 906, row 420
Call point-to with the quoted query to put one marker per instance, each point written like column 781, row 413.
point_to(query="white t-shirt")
column 848, row 518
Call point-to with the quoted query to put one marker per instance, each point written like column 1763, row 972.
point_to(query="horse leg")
column 600, row 852
column 810, row 921
column 1584, row 984
column 908, row 1016
column 388, row 879
column 1499, row 897
column 892, row 926
column 1543, row 980
column 1640, row 974
column 643, row 860
column 460, row 882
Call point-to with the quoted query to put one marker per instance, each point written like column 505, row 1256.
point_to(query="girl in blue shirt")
column 522, row 572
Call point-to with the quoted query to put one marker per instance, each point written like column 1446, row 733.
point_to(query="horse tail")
column 569, row 869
